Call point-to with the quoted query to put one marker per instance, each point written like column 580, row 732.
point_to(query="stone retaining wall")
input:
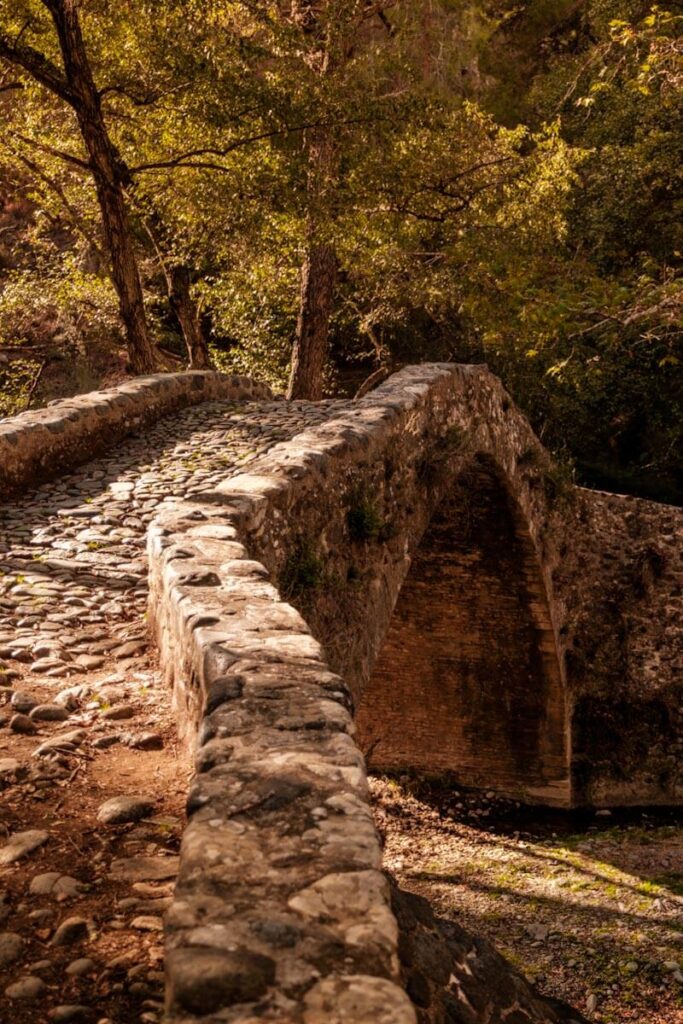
column 42, row 444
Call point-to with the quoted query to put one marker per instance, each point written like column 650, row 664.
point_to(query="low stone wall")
column 42, row 444
column 625, row 651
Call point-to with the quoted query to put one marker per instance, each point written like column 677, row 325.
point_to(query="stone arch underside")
column 467, row 679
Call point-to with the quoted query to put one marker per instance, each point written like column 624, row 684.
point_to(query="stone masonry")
column 346, row 573
column 280, row 900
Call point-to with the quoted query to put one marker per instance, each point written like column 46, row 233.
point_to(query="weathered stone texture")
column 467, row 679
column 280, row 902
column 42, row 444
column 623, row 577
column 454, row 977
column 279, row 895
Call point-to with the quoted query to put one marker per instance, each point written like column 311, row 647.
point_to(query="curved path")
column 84, row 719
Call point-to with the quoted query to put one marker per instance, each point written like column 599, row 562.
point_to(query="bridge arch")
column 467, row 679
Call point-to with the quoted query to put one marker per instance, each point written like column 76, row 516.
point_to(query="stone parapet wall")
column 42, row 444
column 281, row 912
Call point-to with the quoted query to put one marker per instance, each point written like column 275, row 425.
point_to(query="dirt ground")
column 589, row 907
column 124, row 983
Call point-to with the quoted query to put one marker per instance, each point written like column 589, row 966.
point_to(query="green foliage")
column 507, row 189
column 16, row 378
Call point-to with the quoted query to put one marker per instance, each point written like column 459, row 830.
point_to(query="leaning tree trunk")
column 185, row 309
column 109, row 173
column 318, row 276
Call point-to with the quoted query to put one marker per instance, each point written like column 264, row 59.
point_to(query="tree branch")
column 38, row 66
column 186, row 159
column 68, row 158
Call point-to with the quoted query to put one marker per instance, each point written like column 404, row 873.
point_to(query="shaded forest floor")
column 589, row 907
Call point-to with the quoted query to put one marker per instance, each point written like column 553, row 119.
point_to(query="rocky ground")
column 92, row 781
column 589, row 907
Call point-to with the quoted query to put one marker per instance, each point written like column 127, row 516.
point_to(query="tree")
column 111, row 172
column 75, row 86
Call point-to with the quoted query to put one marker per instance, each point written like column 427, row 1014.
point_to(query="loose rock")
column 121, row 809
column 74, row 929
column 28, row 989
column 10, row 948
column 21, row 844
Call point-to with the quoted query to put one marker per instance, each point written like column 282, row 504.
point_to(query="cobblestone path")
column 92, row 782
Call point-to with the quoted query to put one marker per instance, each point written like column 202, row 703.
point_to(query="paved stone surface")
column 73, row 579
column 77, row 683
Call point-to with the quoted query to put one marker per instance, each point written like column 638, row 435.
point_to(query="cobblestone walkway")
column 92, row 782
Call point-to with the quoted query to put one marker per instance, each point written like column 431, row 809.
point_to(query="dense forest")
column 319, row 191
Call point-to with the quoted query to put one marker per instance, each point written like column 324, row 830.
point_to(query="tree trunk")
column 318, row 275
column 109, row 174
column 318, row 279
column 185, row 309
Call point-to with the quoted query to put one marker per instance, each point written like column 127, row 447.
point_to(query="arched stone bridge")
column 411, row 579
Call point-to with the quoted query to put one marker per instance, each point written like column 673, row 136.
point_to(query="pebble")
column 77, row 968
column 72, row 697
column 49, row 713
column 144, row 869
column 42, row 885
column 41, row 965
column 119, row 713
column 23, row 725
column 62, row 1014
column 21, row 844
column 104, row 742
column 73, row 929
column 22, row 703
column 67, row 887
column 144, row 741
column 10, row 948
column 121, row 809
column 46, row 665
column 62, row 741
column 28, row 988
column 147, row 923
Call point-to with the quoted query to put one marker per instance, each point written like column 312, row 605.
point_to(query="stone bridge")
column 407, row 581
